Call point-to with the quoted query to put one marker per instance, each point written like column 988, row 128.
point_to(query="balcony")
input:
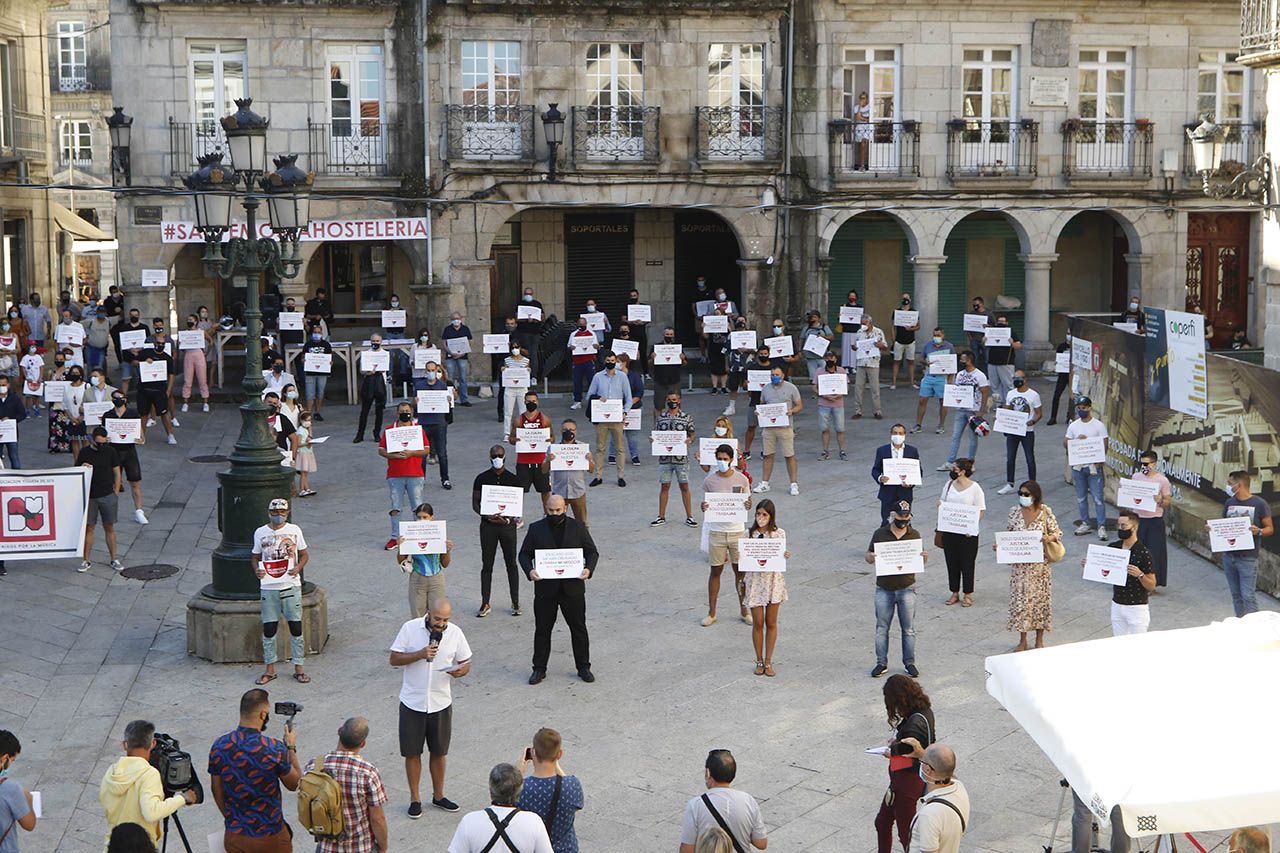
column 881, row 150
column 94, row 77
column 359, row 148
column 22, row 135
column 742, row 134
column 992, row 149
column 614, row 135
column 190, row 140
column 1106, row 150
column 1243, row 144
column 81, row 161
column 489, row 134
column 1259, row 33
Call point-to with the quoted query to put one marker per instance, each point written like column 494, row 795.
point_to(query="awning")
column 86, row 237
column 1174, row 727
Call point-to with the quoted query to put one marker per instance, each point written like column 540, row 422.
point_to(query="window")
column 874, row 71
column 217, row 79
column 491, row 112
column 357, row 139
column 989, row 77
column 615, row 113
column 357, row 276
column 73, row 76
column 735, row 96
column 1104, row 90
column 75, row 144
column 1223, row 88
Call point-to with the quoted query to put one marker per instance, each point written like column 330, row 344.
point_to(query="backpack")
column 320, row 802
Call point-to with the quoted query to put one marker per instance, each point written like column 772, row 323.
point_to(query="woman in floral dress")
column 765, row 591
column 59, row 419
column 1031, row 584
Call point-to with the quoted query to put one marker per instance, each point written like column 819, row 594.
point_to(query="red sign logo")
column 28, row 514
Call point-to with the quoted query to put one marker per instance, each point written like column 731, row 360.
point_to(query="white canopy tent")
column 1177, row 728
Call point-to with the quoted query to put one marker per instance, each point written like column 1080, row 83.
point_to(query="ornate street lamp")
column 120, row 127
column 1252, row 184
column 553, row 127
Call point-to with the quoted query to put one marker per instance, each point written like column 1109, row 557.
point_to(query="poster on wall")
column 44, row 513
column 1177, row 373
column 1112, row 378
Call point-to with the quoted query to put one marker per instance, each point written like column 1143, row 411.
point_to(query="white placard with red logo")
column 667, row 353
column 497, row 344
column 160, row 278
column 1230, row 534
column 668, row 442
column 516, row 377
column 707, row 449
column 71, row 334
column 532, row 439
column 958, row 518
column 958, row 396
column 630, row 348
column 816, row 344
column 317, row 362
column 123, row 430
column 559, row 564
column 583, row 344
column 423, row 537
column 900, row 557
column 606, row 411
column 1137, row 494
column 632, row 419
column 975, row 322
column 743, row 340
column 1022, row 546
column 152, row 371
column 190, row 339
column 833, row 384
column 1107, row 565
column 93, row 412
column 570, row 457
column 55, row 390
column 595, row 320
column 866, row 348
column 715, row 324
column 375, row 361
column 528, row 312
column 422, row 356
column 433, row 402
column 725, row 507
column 1011, row 422
column 639, row 313
column 133, row 339
column 942, row 364
column 44, row 513
column 999, row 336
column 757, row 379
column 290, row 321
column 9, row 430
column 762, row 555
column 902, row 472
column 395, row 318
column 1086, row 451
column 502, row 500
column 1081, row 354
column 458, row 346
column 772, row 415
column 850, row 315
column 780, row 346
column 1131, row 328
column 906, row 319
column 404, row 439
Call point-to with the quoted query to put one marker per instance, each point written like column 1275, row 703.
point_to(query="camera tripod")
column 164, row 840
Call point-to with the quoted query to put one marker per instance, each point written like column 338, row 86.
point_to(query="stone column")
column 757, row 292
column 926, row 290
column 469, row 295
column 820, row 297
column 1271, row 317
column 1138, row 264
column 1036, row 304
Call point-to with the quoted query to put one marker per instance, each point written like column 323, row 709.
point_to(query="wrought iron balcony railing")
column 23, row 134
column 1243, row 144
column 738, row 134
column 360, row 147
column 1106, row 149
column 190, row 140
column 880, row 149
column 478, row 132
column 615, row 134
column 1259, row 32
column 992, row 149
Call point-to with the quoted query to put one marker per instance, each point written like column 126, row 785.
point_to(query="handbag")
column 1053, row 551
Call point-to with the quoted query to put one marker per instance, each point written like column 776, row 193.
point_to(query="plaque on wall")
column 1048, row 91
column 148, row 214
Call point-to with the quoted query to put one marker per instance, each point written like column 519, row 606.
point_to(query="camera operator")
column 246, row 769
column 132, row 791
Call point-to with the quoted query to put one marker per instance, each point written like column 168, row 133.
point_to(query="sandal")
column 768, row 670
column 302, row 678
column 955, row 596
column 265, row 678
column 968, row 601
column 759, row 667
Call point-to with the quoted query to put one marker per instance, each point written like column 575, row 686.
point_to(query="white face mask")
column 425, row 340
column 515, row 351
column 457, row 323
column 528, row 297
column 1025, row 500
column 722, row 465
column 591, row 309
column 897, row 440
column 292, row 395
column 395, row 302
column 432, row 375
column 722, row 431
column 497, row 462
column 777, row 330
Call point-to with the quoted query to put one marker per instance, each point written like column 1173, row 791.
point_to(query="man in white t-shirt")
column 1088, row 478
column 968, row 375
column 723, row 536
column 942, row 815
column 278, row 556
column 433, row 652
column 502, row 827
column 736, row 812
column 1023, row 398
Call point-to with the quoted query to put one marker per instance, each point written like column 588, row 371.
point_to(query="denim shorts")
column 679, row 470
column 282, row 603
column 932, row 385
column 830, row 419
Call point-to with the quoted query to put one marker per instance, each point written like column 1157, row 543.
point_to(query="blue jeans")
column 406, row 494
column 958, row 429
column 1088, row 484
column 315, row 385
column 286, row 604
column 904, row 601
column 582, row 374
column 457, row 369
column 1242, row 581
column 95, row 357
column 12, row 447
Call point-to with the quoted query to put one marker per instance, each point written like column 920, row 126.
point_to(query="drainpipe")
column 426, row 129
column 786, row 155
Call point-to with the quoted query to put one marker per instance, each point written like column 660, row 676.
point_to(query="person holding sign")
column 426, row 571
column 30, row 380
column 436, row 423
column 529, row 320
column 868, row 344
column 552, row 596
column 531, row 465
column 314, row 377
column 457, row 359
column 1031, row 584
column 571, row 483
column 895, row 593
column 73, row 400
column 1061, row 369
column 666, row 377
column 1130, row 611
column 674, row 466
column 496, row 530
column 104, row 488
column 155, row 383
column 128, row 453
column 639, row 331
column 1022, row 398
column 933, row 384
column 1000, row 357
column 815, row 328
column 12, row 411
column 1241, row 567
column 510, row 400
column 736, row 360
column 636, row 381
column 961, row 549
column 717, row 343
column 765, row 591
column 906, row 322
column 1151, row 530
column 975, row 381
column 723, row 536
column 374, row 368
column 1087, row 475
column 278, row 556
column 830, row 408
column 582, row 351
column 979, row 307
column 405, row 470
column 781, row 392
column 893, row 487
column 195, row 370
column 55, row 385
column 612, row 384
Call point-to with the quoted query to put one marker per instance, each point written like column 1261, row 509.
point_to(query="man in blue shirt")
column 932, row 384
column 549, row 792
column 612, row 384
column 457, row 363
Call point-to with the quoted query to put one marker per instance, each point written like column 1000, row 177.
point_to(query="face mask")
column 582, row 327
column 118, row 402
column 528, row 297
column 610, row 365
column 954, row 474
column 276, row 368
column 722, row 465
column 1133, row 306
column 431, row 375
column 497, row 462
column 98, row 445
column 1018, row 382
column 530, row 405
column 515, row 352
column 976, row 306
column 702, row 285
column 900, row 523
column 720, row 297
column 777, row 330
column 634, row 300
column 831, row 364
column 1146, row 467
column 897, row 440
column 669, row 339
column 191, row 324
column 59, row 362
column 377, row 344
column 937, row 339
column 95, row 381
column 457, row 323
column 159, row 346
column 1124, row 533
column 775, row 380
column 906, row 302
column 31, row 350
column 395, row 303
column 923, row 777
column 591, row 309
column 75, row 377
column 722, row 431
column 1082, row 413
column 13, row 314
column 405, row 417
column 4, row 326
column 556, row 520
column 4, row 390
column 1026, row 500
column 424, row 340
column 673, row 405
column 276, row 519
column 315, row 336
column 133, row 321
column 625, row 333
column 567, row 437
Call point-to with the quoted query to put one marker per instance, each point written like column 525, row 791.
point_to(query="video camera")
column 177, row 773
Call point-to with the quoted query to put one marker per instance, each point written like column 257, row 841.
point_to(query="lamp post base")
column 228, row 630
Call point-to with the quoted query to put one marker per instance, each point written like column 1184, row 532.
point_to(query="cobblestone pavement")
column 82, row 654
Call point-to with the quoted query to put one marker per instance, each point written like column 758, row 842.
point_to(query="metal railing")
column 1244, row 143
column 614, row 134
column 190, row 140
column 1259, row 27
column 1106, row 149
column 68, row 160
column 351, row 147
column 23, row 133
column 737, row 134
column 881, row 149
column 992, row 149
column 489, row 133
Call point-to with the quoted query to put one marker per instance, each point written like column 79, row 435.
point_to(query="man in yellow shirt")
column 131, row 791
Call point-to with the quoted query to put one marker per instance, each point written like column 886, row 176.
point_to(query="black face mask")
column 831, row 363
column 266, row 718
column 673, row 404
column 624, row 334
column 133, row 321
column 567, row 437
column 118, row 402
column 59, row 362
column 531, row 405
column 900, row 524
column 1124, row 534
column 191, row 324
column 98, row 445
column 669, row 339
column 955, row 475
column 610, row 365
column 556, row 520
column 1018, row 382
column 405, row 417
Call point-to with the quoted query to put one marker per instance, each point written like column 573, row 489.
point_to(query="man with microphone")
column 568, row 595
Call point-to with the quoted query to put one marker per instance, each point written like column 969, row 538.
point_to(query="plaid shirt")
column 361, row 790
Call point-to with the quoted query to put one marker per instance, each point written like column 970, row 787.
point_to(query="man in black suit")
column 556, row 531
column 891, row 489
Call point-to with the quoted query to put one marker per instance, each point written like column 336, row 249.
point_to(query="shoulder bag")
column 1053, row 551
column 737, row 848
column 555, row 805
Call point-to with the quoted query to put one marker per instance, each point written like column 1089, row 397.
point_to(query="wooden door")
column 1217, row 271
column 504, row 285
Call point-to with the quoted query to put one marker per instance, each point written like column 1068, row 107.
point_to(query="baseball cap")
column 1083, row 401
column 278, row 503
column 902, row 509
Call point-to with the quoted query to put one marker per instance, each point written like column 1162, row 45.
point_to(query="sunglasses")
column 1024, row 494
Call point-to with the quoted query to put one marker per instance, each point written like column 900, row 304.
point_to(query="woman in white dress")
column 765, row 591
column 863, row 132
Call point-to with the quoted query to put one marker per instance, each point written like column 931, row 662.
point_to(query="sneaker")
column 824, row 455
column 917, row 428
column 117, row 566
column 689, row 522
column 746, row 456
column 658, row 522
column 515, row 610
column 85, row 566
column 1005, row 489
column 597, row 481
column 762, row 488
column 172, row 440
column 707, row 621
column 174, row 421
column 879, row 416
column 315, row 417
column 185, row 408
column 432, row 459
column 635, row 460
column 1102, row 532
column 795, row 488
column 415, row 810
column 140, row 517
column 730, row 410
column 613, row 460
column 391, row 544
column 205, row 408
column 446, row 485
column 1083, row 529
column 576, row 406
column 912, row 671
column 444, row 802
column 893, row 387
column 945, row 466
column 938, row 431
column 622, row 483
column 483, row 611
column 151, row 422
column 879, row 670
column 844, row 457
